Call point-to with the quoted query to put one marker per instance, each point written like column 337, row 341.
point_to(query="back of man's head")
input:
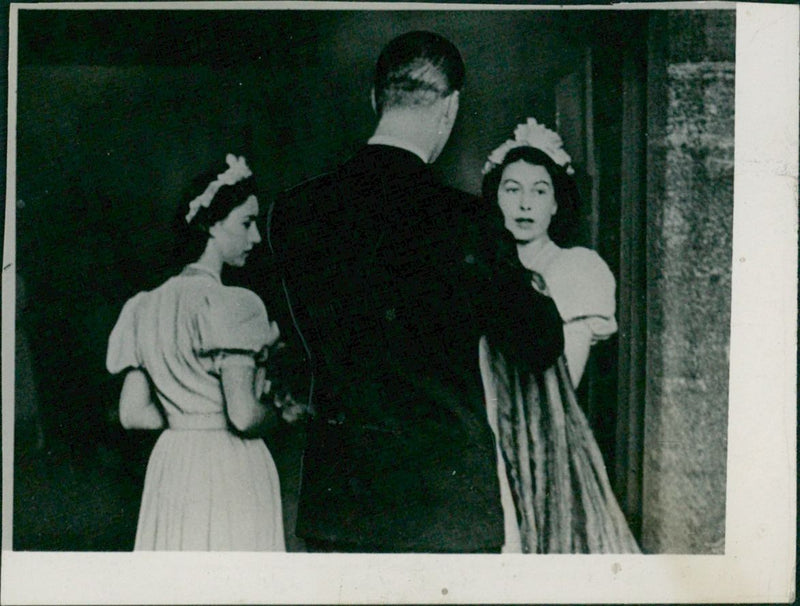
column 415, row 70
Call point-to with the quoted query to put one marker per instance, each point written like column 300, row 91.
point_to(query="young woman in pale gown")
column 190, row 351
column 555, row 488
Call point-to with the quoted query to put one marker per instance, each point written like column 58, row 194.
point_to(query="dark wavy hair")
column 564, row 222
column 191, row 237
column 417, row 68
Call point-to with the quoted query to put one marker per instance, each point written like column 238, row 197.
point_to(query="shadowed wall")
column 109, row 137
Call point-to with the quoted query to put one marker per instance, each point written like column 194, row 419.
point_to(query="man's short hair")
column 416, row 69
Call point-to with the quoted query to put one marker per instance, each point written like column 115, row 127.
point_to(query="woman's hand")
column 261, row 384
column 273, row 333
column 290, row 409
column 282, row 375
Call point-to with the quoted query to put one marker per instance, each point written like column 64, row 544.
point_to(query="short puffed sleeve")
column 583, row 289
column 122, row 350
column 232, row 327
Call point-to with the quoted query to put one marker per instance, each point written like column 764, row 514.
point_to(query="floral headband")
column 237, row 171
column 532, row 134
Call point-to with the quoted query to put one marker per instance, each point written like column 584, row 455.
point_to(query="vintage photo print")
column 322, row 302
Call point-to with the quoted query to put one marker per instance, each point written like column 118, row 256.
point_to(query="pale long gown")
column 206, row 488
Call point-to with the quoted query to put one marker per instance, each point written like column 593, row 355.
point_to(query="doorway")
column 600, row 112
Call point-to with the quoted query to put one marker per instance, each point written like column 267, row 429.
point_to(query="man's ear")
column 451, row 105
column 372, row 100
column 449, row 110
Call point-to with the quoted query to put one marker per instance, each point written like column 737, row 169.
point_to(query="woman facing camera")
column 556, row 493
column 190, row 351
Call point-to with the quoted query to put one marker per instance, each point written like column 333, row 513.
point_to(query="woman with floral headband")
column 556, row 493
column 191, row 352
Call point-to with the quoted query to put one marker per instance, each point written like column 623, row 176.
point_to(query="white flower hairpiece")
column 237, row 171
column 532, row 134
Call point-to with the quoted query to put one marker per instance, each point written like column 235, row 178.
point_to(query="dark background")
column 118, row 110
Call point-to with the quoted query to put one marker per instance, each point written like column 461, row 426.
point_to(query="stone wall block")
column 689, row 264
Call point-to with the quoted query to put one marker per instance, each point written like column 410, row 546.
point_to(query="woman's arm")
column 242, row 386
column 577, row 343
column 137, row 410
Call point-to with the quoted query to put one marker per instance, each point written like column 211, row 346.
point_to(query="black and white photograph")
column 361, row 303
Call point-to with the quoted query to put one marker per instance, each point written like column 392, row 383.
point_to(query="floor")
column 71, row 496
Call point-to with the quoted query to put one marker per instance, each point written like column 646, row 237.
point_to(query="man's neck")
column 398, row 143
column 409, row 130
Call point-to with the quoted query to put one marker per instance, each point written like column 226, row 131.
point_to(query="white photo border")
column 759, row 560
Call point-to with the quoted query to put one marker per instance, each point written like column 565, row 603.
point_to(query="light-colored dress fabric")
column 582, row 288
column 206, row 488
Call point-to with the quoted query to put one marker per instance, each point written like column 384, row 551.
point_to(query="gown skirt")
column 210, row 490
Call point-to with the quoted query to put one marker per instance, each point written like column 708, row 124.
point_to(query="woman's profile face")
column 526, row 197
column 237, row 234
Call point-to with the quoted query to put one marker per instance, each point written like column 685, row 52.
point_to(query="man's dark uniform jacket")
column 392, row 279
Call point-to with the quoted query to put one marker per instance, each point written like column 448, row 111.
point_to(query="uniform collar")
column 399, row 143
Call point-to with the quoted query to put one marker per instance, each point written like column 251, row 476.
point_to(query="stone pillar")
column 690, row 207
